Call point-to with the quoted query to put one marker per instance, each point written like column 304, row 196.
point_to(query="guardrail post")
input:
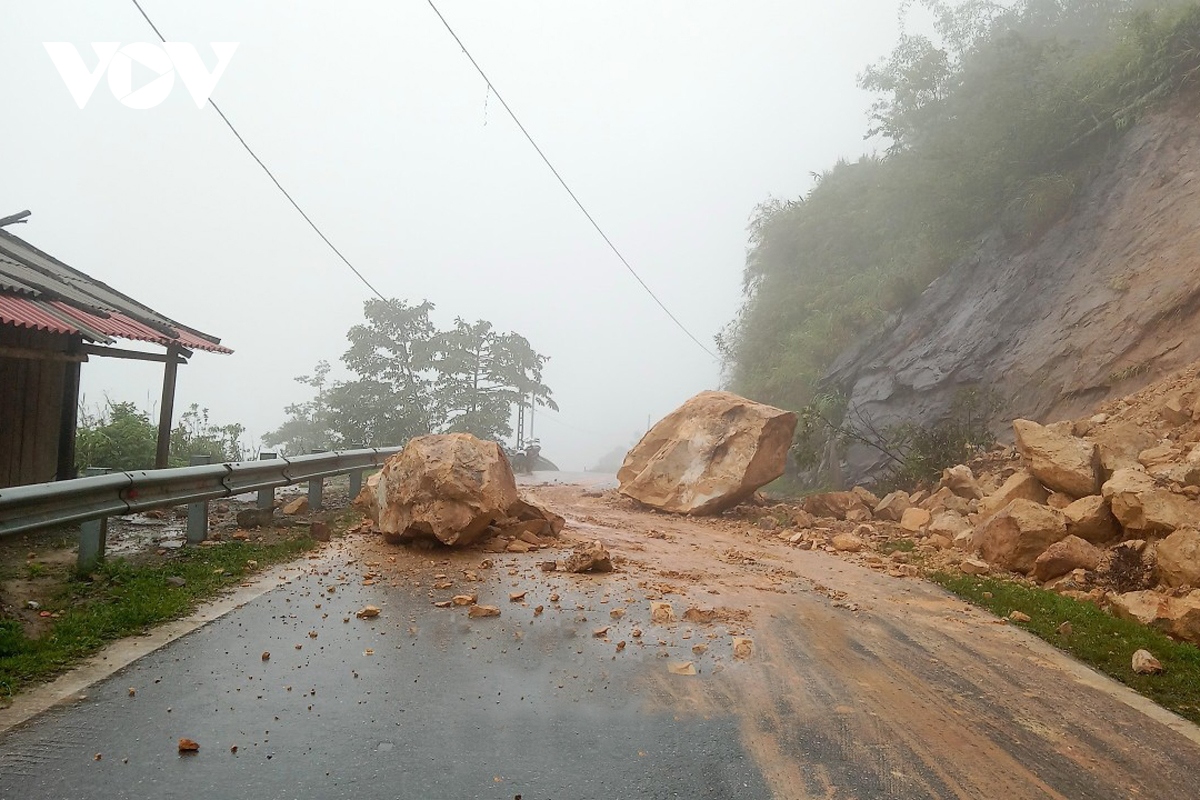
column 316, row 486
column 93, row 534
column 355, row 479
column 197, row 518
column 266, row 497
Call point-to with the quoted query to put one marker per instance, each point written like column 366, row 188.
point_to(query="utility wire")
column 270, row 174
column 546, row 160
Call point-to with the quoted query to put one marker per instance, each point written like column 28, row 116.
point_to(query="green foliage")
column 413, row 379
column 119, row 437
column 995, row 120
column 122, row 437
column 1097, row 639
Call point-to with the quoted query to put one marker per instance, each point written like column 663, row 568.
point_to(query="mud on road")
column 865, row 685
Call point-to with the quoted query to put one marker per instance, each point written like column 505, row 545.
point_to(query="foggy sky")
column 670, row 120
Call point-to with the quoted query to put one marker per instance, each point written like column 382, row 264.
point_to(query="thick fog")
column 670, row 120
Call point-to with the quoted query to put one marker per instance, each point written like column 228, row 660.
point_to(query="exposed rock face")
column 1014, row 537
column 1048, row 326
column 450, row 487
column 1177, row 559
column 1062, row 557
column 1062, row 462
column 1142, row 508
column 708, row 455
column 1090, row 518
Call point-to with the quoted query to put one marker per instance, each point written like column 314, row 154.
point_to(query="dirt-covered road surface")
column 783, row 674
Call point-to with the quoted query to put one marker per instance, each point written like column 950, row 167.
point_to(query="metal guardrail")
column 44, row 505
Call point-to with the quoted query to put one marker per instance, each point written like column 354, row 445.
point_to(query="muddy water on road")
column 866, row 686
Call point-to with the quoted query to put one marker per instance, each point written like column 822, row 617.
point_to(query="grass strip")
column 122, row 598
column 1097, row 638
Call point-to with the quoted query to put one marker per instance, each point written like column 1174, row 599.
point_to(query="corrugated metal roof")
column 61, row 298
column 37, row 315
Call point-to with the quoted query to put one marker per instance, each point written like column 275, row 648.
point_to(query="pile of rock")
column 1102, row 509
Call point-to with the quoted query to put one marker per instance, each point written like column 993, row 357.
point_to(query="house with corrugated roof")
column 53, row 319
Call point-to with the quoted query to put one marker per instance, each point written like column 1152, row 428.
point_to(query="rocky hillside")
column 1104, row 302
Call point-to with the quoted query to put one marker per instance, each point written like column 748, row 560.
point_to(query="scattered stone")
column 1142, row 508
column 1070, row 554
column 682, row 668
column 266, row 656
column 483, row 611
column 960, row 480
column 319, row 531
column 915, row 520
column 1177, row 559
column 1066, row 629
column 743, row 648
column 836, row 505
column 1021, row 485
column 297, row 506
column 1175, row 616
column 1090, row 518
column 893, row 506
column 518, row 546
column 1014, row 537
column 1062, row 462
column 661, row 613
column 516, row 597
column 600, row 633
column 1144, row 663
column 848, row 543
column 803, row 519
column 974, row 566
column 699, row 615
column 464, row 599
column 256, row 517
column 188, row 746
column 1019, row 616
column 549, row 566
column 174, row 580
column 768, row 524
column 367, row 612
column 591, row 557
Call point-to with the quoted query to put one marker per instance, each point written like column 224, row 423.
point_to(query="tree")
column 482, row 375
column 411, row 379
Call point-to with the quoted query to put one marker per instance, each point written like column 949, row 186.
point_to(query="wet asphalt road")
column 417, row 703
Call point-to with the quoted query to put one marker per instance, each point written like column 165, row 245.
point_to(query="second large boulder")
column 708, row 455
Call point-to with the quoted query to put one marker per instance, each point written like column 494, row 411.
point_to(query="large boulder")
column 1021, row 485
column 1144, row 509
column 450, row 487
column 708, row 455
column 893, row 506
column 1177, row 559
column 1062, row 462
column 1014, row 537
column 1070, row 554
column 1090, row 518
column 960, row 480
column 1175, row 616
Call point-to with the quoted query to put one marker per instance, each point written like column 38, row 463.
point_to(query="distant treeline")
column 997, row 120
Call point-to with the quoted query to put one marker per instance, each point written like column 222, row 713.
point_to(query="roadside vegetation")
column 121, row 597
column 1096, row 638
column 121, row 437
column 992, row 123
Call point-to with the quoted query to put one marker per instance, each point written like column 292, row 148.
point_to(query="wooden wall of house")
column 31, row 400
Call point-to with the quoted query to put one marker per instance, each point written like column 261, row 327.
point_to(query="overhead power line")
column 270, row 174
column 564, row 185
